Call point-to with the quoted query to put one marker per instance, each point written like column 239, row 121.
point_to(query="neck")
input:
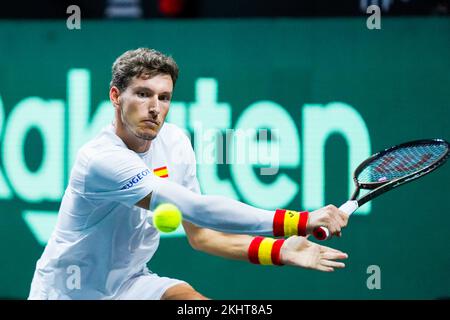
column 132, row 142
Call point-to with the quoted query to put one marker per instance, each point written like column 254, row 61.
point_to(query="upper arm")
column 120, row 176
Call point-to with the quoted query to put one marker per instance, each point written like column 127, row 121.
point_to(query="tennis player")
column 104, row 238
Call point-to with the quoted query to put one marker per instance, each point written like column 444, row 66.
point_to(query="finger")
column 340, row 221
column 337, row 232
column 334, row 255
column 344, row 216
column 336, row 227
column 332, row 264
column 332, row 226
column 329, row 250
column 325, row 269
column 324, row 249
column 336, row 222
column 340, row 217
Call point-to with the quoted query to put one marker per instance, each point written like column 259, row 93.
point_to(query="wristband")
column 265, row 251
column 288, row 223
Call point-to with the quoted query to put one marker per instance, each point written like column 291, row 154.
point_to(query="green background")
column 397, row 78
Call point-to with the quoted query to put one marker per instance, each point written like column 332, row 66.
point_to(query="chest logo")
column 161, row 172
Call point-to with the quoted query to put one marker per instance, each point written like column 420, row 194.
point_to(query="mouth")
column 151, row 122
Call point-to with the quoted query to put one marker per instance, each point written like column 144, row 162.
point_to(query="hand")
column 300, row 252
column 330, row 217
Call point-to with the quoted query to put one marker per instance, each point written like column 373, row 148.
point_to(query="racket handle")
column 322, row 233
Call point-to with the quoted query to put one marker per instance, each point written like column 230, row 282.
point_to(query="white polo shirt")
column 100, row 235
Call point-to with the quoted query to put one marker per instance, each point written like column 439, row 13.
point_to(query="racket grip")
column 322, row 233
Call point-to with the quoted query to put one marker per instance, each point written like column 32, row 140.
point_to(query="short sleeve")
column 120, row 176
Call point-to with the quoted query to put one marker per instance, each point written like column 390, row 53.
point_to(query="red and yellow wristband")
column 265, row 251
column 289, row 223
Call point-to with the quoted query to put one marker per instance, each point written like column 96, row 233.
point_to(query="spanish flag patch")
column 161, row 172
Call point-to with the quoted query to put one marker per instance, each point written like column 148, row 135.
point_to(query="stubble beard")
column 129, row 127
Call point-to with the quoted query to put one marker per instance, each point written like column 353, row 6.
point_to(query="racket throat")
column 356, row 192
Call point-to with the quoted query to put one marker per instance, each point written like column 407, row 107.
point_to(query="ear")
column 114, row 96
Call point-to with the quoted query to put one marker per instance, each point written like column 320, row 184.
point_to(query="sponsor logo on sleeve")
column 135, row 179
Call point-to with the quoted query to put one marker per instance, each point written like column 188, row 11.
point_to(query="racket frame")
column 378, row 188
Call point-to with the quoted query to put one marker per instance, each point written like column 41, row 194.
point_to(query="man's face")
column 145, row 103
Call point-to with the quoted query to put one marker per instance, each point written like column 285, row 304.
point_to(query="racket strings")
column 401, row 162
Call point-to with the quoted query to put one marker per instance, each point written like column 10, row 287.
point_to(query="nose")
column 153, row 107
column 153, row 112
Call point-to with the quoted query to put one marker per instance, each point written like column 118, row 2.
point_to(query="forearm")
column 231, row 246
column 258, row 250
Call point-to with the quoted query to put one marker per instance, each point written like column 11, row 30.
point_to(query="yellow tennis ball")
column 166, row 217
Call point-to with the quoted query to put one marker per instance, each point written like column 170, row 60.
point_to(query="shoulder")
column 104, row 161
column 104, row 148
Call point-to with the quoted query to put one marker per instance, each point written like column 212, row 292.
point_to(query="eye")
column 141, row 94
column 164, row 98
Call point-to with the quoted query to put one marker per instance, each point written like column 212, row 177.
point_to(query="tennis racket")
column 391, row 168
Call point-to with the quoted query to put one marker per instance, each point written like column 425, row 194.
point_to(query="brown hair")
column 134, row 63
